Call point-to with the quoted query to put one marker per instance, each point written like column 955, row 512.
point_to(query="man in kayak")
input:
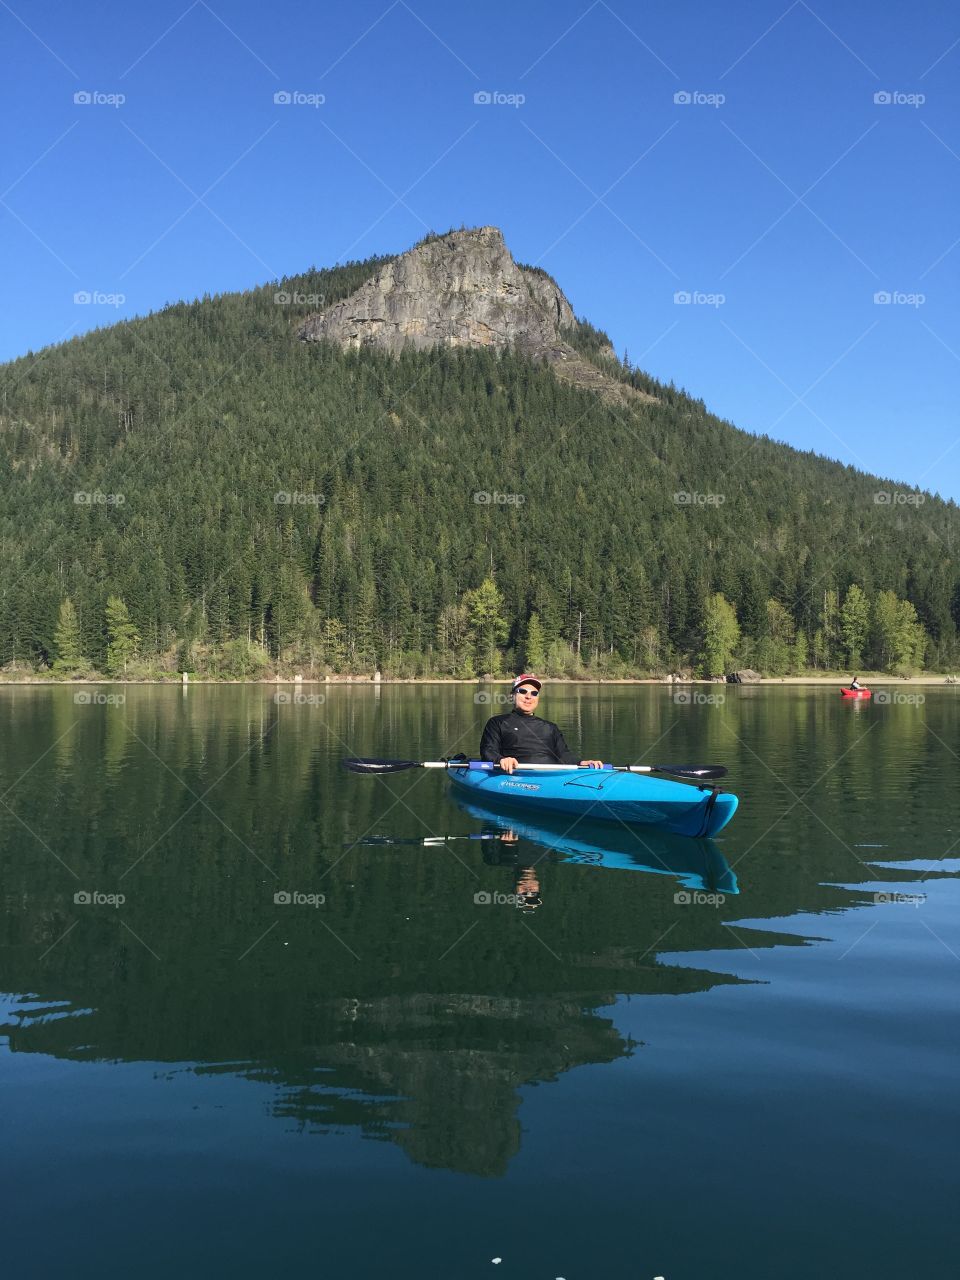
column 855, row 683
column 519, row 737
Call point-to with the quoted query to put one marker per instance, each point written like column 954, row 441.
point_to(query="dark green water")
column 404, row 1082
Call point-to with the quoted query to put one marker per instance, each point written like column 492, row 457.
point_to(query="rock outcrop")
column 464, row 290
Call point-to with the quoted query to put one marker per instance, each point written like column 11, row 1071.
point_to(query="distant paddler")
column 520, row 737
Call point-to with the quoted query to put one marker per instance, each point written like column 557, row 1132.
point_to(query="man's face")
column 525, row 698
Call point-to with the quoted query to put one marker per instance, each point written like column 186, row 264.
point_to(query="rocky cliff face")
column 462, row 290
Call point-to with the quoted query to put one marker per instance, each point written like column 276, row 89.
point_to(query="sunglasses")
column 529, row 693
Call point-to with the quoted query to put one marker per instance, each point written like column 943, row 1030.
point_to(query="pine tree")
column 485, row 609
column 829, row 653
column 534, row 651
column 854, row 625
column 123, row 641
column 721, row 633
column 66, row 640
column 333, row 644
column 899, row 639
column 774, row 651
column 800, row 653
column 453, row 637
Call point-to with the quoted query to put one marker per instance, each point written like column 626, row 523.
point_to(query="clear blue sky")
column 797, row 197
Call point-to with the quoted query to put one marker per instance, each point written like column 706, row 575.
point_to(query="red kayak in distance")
column 856, row 693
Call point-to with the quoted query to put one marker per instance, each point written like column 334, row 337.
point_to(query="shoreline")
column 870, row 679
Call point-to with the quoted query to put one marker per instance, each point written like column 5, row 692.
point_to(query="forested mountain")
column 206, row 489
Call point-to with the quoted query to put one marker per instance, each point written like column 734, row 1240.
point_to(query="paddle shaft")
column 489, row 767
column 427, row 841
column 692, row 771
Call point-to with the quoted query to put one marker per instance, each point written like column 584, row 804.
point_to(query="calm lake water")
column 695, row 1060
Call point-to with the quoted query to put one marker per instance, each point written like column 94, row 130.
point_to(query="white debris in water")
column 496, row 1261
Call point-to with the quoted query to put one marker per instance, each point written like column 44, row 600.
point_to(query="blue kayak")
column 681, row 808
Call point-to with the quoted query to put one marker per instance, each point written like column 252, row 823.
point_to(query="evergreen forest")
column 199, row 490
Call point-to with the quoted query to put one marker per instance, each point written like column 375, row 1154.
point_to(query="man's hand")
column 508, row 764
column 591, row 764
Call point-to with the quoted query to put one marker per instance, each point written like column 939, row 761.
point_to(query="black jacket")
column 526, row 738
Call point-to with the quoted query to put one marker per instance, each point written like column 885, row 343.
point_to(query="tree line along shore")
column 882, row 637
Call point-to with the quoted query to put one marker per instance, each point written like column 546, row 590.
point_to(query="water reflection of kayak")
column 697, row 864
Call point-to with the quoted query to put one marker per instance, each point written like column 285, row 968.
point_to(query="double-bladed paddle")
column 429, row 841
column 696, row 772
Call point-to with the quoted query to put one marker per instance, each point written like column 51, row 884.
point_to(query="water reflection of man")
column 526, row 893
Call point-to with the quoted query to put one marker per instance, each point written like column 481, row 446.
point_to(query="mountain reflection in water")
column 412, row 1003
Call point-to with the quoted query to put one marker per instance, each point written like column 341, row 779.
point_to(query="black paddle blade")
column 380, row 766
column 693, row 770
